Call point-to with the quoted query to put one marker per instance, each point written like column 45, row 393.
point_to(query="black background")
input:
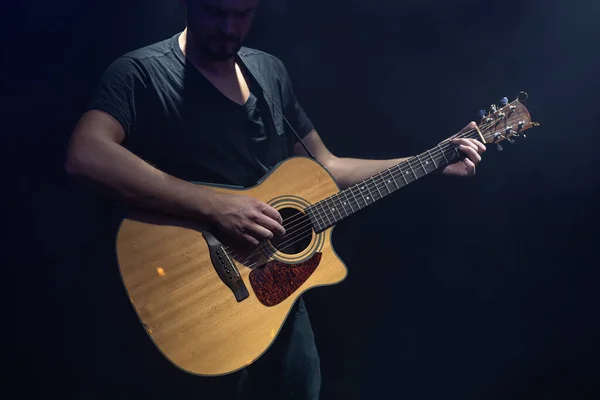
column 478, row 288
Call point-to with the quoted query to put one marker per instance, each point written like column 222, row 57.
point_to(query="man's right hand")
column 96, row 154
column 246, row 217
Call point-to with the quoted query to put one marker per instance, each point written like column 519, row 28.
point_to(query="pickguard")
column 276, row 281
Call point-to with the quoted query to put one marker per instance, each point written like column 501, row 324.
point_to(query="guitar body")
column 199, row 322
column 213, row 308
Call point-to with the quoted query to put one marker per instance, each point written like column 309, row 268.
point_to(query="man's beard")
column 221, row 49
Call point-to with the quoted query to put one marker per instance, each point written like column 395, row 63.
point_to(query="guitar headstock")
column 506, row 122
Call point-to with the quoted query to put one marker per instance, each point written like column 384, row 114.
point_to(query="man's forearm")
column 120, row 174
column 350, row 171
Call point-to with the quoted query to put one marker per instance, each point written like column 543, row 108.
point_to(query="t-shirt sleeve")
column 120, row 86
column 293, row 110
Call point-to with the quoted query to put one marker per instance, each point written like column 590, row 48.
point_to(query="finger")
column 259, row 232
column 470, row 166
column 270, row 224
column 272, row 213
column 480, row 146
column 250, row 239
column 471, row 153
column 477, row 145
column 470, row 126
column 467, row 142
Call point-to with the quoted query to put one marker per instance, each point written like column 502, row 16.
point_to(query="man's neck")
column 206, row 65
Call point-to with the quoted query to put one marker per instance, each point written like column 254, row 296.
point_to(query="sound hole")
column 298, row 232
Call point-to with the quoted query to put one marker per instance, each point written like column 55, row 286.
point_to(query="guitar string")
column 382, row 180
column 292, row 241
column 369, row 185
column 303, row 220
column 307, row 224
column 300, row 232
column 377, row 185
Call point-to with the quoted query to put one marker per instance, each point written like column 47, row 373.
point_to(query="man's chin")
column 222, row 54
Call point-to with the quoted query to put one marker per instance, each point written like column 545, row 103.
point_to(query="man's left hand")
column 472, row 149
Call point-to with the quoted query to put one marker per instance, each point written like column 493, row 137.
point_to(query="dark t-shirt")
column 178, row 121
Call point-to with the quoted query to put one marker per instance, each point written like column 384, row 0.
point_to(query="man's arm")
column 345, row 171
column 95, row 156
column 350, row 171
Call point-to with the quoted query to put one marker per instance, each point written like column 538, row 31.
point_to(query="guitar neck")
column 333, row 209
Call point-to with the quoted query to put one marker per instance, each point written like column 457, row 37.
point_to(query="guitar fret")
column 363, row 196
column 355, row 199
column 412, row 170
column 348, row 201
column 422, row 166
column 368, row 190
column 432, row 159
column 393, row 179
column 343, row 205
column 385, row 182
column 320, row 227
column 338, row 208
column 377, row 187
column 332, row 208
column 456, row 151
column 325, row 212
column 444, row 154
column 323, row 215
column 329, row 210
column 402, row 174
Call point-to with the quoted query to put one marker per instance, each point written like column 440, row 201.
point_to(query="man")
column 200, row 107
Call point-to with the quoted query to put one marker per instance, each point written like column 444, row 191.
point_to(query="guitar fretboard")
column 333, row 209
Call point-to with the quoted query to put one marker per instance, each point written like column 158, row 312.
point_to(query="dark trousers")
column 289, row 369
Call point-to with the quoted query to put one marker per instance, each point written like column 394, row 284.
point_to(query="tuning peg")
column 499, row 147
column 510, row 140
column 522, row 96
column 483, row 115
column 493, row 108
column 503, row 101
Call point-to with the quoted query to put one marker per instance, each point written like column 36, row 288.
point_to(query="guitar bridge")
column 225, row 268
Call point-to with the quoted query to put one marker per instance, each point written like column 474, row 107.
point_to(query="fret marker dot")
column 426, row 162
column 367, row 197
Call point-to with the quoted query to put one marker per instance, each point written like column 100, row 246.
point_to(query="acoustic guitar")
column 212, row 306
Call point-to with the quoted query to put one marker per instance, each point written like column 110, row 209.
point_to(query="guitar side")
column 189, row 313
